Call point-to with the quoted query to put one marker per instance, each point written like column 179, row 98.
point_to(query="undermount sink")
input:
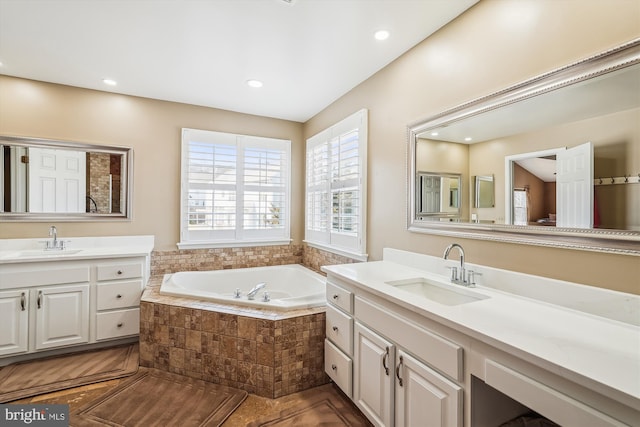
column 437, row 292
column 36, row 253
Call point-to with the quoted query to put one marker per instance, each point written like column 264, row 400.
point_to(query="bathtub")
column 289, row 287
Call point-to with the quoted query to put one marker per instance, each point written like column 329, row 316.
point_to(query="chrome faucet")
column 455, row 278
column 54, row 243
column 252, row 293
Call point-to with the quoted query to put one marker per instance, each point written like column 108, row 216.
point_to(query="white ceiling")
column 307, row 53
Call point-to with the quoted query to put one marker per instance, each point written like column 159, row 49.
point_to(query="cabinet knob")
column 119, row 272
column 334, row 367
column 120, row 325
column 335, row 329
column 118, row 296
column 335, row 296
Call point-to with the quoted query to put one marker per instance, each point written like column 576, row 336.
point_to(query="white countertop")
column 594, row 351
column 14, row 251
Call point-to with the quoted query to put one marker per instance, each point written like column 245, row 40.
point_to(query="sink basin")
column 437, row 292
column 37, row 253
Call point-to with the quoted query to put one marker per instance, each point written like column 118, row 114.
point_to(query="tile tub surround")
column 264, row 352
column 165, row 262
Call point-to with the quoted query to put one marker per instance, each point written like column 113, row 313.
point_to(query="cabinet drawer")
column 340, row 297
column 120, row 323
column 119, row 271
column 339, row 329
column 41, row 274
column 119, row 294
column 339, row 367
column 440, row 353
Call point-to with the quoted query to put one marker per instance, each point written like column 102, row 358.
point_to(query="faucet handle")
column 454, row 273
column 471, row 277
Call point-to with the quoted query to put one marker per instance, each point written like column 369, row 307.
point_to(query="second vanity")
column 409, row 348
column 88, row 293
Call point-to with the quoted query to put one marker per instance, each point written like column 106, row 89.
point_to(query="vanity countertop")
column 14, row 251
column 597, row 352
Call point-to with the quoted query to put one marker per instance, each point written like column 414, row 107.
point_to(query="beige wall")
column 493, row 45
column 152, row 128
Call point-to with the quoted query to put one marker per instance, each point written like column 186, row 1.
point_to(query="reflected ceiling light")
column 254, row 83
column 109, row 82
column 468, row 138
column 381, row 35
column 434, row 133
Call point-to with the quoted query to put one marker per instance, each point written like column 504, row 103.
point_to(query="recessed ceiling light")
column 254, row 83
column 381, row 35
column 468, row 138
column 109, row 82
column 434, row 133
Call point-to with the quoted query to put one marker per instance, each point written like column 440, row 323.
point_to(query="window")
column 336, row 164
column 235, row 190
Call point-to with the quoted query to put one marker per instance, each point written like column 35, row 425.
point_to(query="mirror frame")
column 127, row 154
column 599, row 240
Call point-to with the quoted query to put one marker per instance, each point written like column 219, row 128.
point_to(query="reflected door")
column 57, row 180
column 574, row 187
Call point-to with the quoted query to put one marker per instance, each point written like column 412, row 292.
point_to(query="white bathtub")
column 290, row 287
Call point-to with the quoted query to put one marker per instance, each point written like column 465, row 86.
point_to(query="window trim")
column 245, row 240
column 323, row 239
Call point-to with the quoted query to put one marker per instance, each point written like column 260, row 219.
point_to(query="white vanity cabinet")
column 118, row 290
column 14, row 319
column 61, row 315
column 43, row 307
column 339, row 342
column 56, row 302
column 403, row 374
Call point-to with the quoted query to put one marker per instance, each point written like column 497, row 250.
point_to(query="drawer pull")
column 119, row 272
column 118, row 296
column 335, row 296
column 23, row 301
column 398, row 372
column 120, row 325
column 39, row 299
column 334, row 367
column 335, row 329
column 384, row 361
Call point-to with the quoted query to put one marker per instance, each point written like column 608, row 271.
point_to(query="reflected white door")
column 574, row 187
column 57, row 180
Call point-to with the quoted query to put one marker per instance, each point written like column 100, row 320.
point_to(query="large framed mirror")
column 562, row 151
column 49, row 180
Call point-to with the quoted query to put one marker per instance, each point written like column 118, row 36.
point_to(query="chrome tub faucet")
column 252, row 293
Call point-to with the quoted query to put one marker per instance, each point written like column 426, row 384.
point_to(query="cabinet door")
column 62, row 315
column 424, row 397
column 14, row 318
column 373, row 375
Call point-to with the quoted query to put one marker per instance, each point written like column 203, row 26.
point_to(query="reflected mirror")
column 511, row 147
column 484, row 191
column 438, row 195
column 44, row 180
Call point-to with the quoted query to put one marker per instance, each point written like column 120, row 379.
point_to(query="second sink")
column 437, row 292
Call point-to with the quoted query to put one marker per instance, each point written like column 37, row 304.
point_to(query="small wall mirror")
column 45, row 180
column 438, row 195
column 483, row 191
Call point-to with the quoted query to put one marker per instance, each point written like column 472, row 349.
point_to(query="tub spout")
column 252, row 293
